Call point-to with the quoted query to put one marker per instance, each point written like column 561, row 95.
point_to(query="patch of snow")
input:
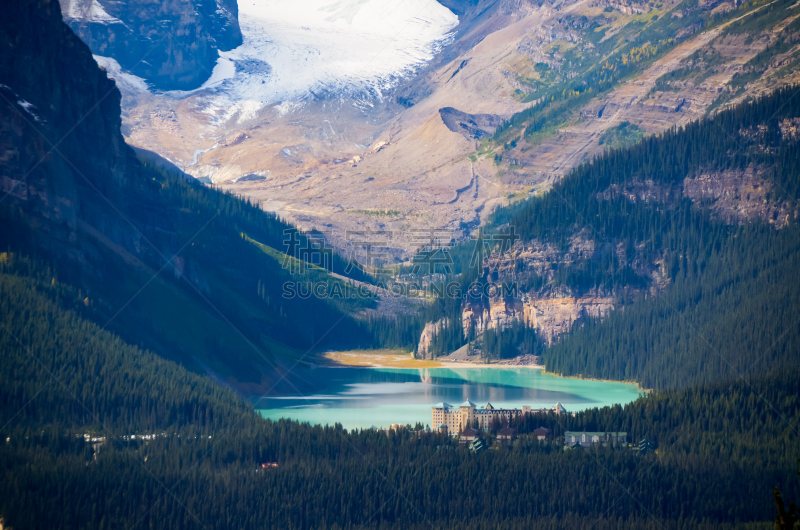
column 72, row 8
column 88, row 11
column 247, row 110
column 29, row 108
column 126, row 82
column 216, row 173
column 225, row 69
column 98, row 14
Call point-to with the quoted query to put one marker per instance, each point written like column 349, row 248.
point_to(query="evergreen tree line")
column 748, row 135
column 730, row 311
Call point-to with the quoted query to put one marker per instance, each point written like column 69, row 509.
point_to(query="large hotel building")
column 459, row 418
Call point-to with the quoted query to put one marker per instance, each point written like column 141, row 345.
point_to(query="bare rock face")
column 554, row 316
column 173, row 44
column 498, row 314
column 735, row 196
column 738, row 196
column 58, row 132
column 642, row 191
column 550, row 316
column 47, row 190
column 64, row 164
column 471, row 126
column 625, row 6
column 520, row 285
column 425, row 340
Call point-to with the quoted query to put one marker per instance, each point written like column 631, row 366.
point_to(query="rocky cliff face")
column 426, row 338
column 64, row 165
column 173, row 44
column 60, row 120
column 550, row 313
column 470, row 126
column 734, row 196
column 523, row 285
column 739, row 196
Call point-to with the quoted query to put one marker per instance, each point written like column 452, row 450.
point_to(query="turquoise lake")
column 359, row 398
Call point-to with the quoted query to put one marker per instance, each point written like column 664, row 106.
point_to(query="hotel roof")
column 467, row 403
column 443, row 406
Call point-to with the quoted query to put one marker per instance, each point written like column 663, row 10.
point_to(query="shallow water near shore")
column 359, row 398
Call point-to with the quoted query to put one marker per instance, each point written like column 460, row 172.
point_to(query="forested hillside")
column 704, row 281
column 60, row 369
column 597, row 54
column 730, row 312
column 729, row 308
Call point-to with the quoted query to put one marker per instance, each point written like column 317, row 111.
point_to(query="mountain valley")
column 229, row 229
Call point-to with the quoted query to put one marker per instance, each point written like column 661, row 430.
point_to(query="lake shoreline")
column 395, row 359
column 582, row 378
column 377, row 359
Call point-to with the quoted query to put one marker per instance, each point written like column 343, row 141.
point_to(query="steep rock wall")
column 64, row 164
column 172, row 44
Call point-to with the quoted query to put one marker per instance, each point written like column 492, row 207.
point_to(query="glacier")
column 296, row 51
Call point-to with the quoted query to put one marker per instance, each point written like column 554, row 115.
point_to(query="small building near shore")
column 506, row 435
column 468, row 436
column 645, row 446
column 542, row 433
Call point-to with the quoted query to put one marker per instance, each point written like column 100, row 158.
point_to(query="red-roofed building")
column 468, row 436
column 543, row 433
column 506, row 435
